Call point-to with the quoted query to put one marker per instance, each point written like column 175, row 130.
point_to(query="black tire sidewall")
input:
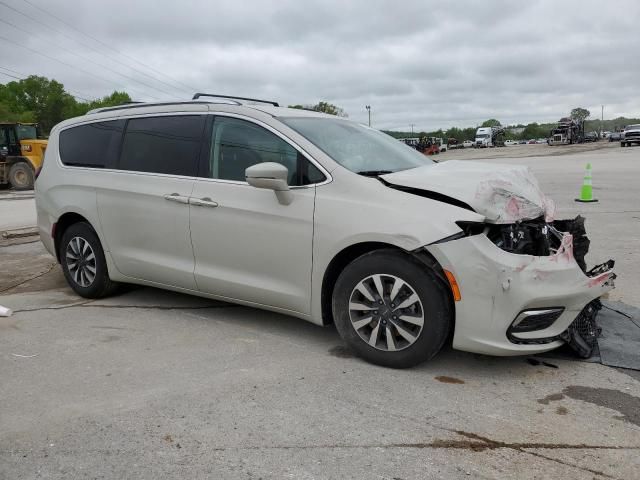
column 27, row 169
column 424, row 281
column 101, row 284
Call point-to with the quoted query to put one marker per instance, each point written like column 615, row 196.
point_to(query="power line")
column 24, row 76
column 186, row 88
column 12, row 76
column 85, row 58
column 62, row 62
column 75, row 93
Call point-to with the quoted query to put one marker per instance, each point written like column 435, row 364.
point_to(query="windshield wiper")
column 373, row 173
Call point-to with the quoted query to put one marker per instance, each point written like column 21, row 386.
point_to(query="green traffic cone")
column 586, row 193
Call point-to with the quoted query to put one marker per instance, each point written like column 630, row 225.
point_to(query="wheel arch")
column 350, row 253
column 63, row 223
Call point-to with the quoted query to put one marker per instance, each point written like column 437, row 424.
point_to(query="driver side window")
column 238, row 144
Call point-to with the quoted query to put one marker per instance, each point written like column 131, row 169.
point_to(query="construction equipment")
column 567, row 132
column 21, row 154
column 424, row 144
column 489, row 137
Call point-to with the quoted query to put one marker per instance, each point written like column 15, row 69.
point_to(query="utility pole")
column 602, row 122
column 368, row 107
column 412, row 125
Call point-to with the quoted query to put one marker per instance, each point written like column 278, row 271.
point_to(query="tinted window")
column 168, row 145
column 91, row 145
column 237, row 145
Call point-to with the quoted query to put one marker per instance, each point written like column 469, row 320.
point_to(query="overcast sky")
column 433, row 64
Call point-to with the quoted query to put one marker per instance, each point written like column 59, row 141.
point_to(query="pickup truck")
column 630, row 135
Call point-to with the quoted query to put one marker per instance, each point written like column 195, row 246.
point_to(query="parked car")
column 532, row 141
column 630, row 135
column 467, row 144
column 615, row 136
column 522, row 142
column 509, row 143
column 590, row 137
column 318, row 217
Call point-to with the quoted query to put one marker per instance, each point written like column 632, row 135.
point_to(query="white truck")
column 630, row 135
column 489, row 137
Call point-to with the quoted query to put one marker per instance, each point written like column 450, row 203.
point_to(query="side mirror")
column 272, row 176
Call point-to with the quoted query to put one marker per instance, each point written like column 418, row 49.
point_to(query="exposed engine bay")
column 539, row 238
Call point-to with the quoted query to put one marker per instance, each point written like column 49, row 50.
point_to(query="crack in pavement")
column 90, row 304
column 51, row 267
column 472, row 442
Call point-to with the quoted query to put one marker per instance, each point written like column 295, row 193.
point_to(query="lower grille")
column 582, row 335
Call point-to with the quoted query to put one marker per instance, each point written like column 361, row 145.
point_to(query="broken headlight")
column 534, row 237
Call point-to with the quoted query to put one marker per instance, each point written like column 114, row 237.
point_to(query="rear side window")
column 169, row 145
column 91, row 145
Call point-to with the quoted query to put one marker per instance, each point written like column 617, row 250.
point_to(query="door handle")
column 203, row 202
column 175, row 197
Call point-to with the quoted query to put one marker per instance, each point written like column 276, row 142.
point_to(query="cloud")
column 431, row 64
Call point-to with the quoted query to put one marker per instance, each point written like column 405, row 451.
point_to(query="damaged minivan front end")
column 522, row 276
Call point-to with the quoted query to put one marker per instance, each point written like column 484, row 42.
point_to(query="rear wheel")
column 83, row 262
column 21, row 176
column 391, row 309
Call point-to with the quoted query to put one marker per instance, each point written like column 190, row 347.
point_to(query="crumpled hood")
column 502, row 193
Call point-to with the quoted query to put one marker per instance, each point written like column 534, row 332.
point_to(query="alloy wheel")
column 81, row 261
column 386, row 312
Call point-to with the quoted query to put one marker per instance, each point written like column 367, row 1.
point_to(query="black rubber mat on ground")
column 619, row 342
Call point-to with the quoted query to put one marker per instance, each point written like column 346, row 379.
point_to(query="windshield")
column 356, row 147
column 633, row 127
column 26, row 132
column 482, row 135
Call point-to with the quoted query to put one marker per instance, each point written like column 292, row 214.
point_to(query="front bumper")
column 496, row 286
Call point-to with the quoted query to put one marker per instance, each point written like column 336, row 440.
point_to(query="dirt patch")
column 341, row 351
column 445, row 379
column 627, row 405
column 562, row 410
column 28, row 268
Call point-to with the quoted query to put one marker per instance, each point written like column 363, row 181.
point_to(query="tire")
column 21, row 176
column 433, row 302
column 80, row 243
column 622, row 144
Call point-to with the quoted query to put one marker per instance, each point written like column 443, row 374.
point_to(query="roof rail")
column 142, row 104
column 230, row 97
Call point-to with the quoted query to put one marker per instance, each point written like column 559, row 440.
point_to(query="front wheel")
column 21, row 176
column 391, row 309
column 83, row 262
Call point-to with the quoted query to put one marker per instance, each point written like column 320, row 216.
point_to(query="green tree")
column 113, row 100
column 492, row 122
column 47, row 99
column 580, row 114
column 324, row 107
column 38, row 99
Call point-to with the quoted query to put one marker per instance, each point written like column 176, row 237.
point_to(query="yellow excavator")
column 21, row 154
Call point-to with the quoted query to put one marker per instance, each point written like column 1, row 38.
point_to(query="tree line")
column 39, row 100
column 521, row 131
